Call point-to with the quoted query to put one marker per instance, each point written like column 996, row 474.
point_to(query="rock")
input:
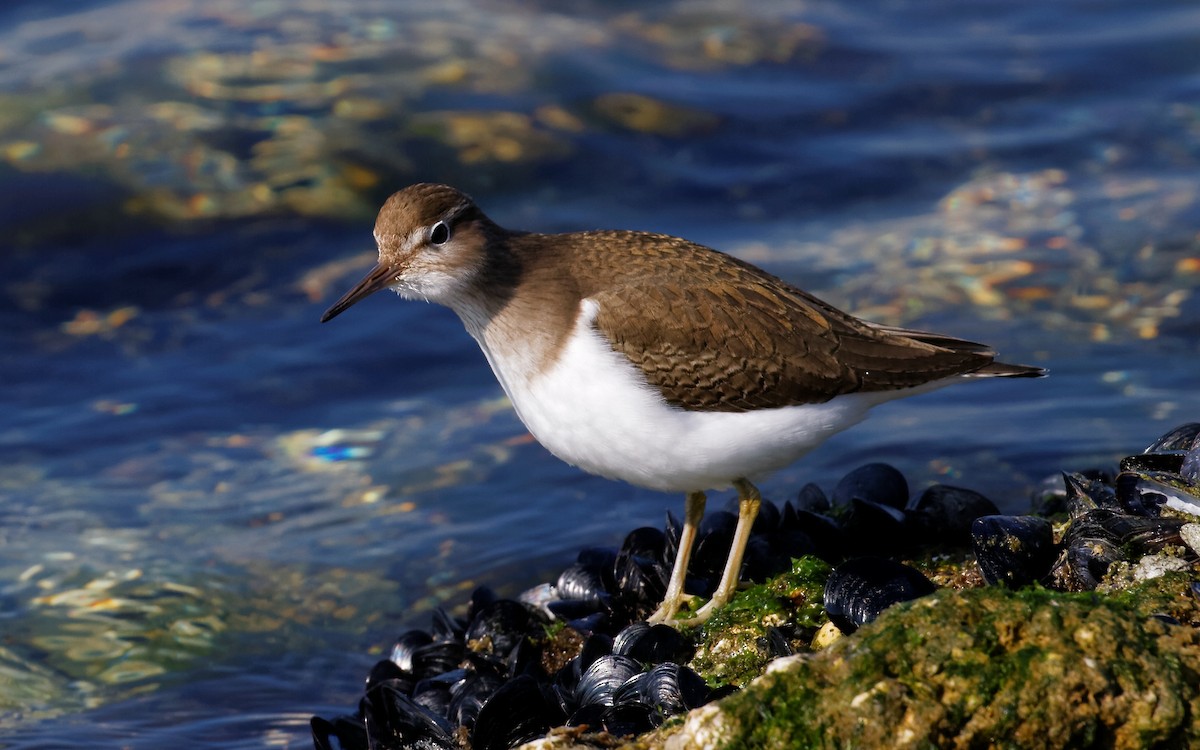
column 983, row 667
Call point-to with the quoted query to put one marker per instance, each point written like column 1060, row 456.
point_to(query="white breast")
column 592, row 409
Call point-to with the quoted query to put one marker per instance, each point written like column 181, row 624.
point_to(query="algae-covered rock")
column 983, row 668
column 736, row 644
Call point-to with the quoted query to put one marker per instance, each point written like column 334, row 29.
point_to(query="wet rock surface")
column 1076, row 627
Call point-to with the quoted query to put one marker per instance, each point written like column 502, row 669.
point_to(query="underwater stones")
column 643, row 114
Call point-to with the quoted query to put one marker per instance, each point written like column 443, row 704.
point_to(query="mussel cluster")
column 578, row 653
column 1130, row 517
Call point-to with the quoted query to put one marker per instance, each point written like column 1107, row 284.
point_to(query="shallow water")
column 188, row 555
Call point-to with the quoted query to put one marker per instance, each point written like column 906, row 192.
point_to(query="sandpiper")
column 654, row 360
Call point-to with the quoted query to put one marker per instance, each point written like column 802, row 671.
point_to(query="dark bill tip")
column 379, row 277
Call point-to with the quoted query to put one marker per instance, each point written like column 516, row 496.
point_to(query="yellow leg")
column 748, row 502
column 693, row 511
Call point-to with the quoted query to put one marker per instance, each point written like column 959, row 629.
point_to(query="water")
column 188, row 185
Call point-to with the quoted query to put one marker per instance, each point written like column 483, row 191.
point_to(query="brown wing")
column 743, row 339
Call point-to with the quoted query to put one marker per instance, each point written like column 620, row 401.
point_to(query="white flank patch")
column 592, row 409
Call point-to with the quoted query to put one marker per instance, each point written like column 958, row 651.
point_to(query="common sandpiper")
column 655, row 360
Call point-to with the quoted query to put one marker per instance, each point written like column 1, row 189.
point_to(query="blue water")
column 178, row 565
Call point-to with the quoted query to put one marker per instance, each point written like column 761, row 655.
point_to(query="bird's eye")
column 439, row 233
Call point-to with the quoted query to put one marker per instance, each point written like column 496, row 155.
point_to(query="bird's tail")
column 991, row 370
column 1005, row 370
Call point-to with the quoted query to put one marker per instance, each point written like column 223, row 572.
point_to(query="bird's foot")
column 668, row 610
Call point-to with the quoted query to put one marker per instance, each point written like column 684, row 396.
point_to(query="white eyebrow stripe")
column 415, row 238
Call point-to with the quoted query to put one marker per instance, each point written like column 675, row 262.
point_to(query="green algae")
column 733, row 646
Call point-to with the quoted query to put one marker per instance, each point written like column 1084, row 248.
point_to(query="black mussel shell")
column 519, row 711
column 1145, row 493
column 1185, row 437
column 434, row 692
column 1139, row 536
column 1137, row 496
column 874, row 528
column 1082, row 566
column 787, row 545
column 387, row 670
column 604, row 560
column 595, row 716
column 653, row 644
column 595, row 623
column 639, row 570
column 437, row 658
column 877, row 483
column 810, row 498
column 1013, row 550
column 481, row 597
column 1169, row 454
column 393, row 720
column 828, row 539
column 1168, row 461
column 600, row 557
column 409, row 641
column 525, row 657
column 584, row 583
column 645, row 541
column 759, row 561
column 1096, row 539
column 347, row 731
column 446, row 627
column 468, row 697
column 713, row 540
column 499, row 627
column 572, row 610
column 602, row 677
column 623, row 720
column 664, row 691
column 775, row 643
column 1086, row 493
column 1190, row 470
column 859, row 590
column 943, row 514
column 565, row 685
column 594, row 646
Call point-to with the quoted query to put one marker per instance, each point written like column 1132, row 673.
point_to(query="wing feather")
column 735, row 338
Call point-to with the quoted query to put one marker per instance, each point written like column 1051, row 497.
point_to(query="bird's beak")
column 381, row 276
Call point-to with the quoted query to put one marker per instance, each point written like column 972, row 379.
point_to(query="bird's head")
column 433, row 244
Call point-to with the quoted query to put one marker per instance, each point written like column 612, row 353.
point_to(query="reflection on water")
column 188, row 551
